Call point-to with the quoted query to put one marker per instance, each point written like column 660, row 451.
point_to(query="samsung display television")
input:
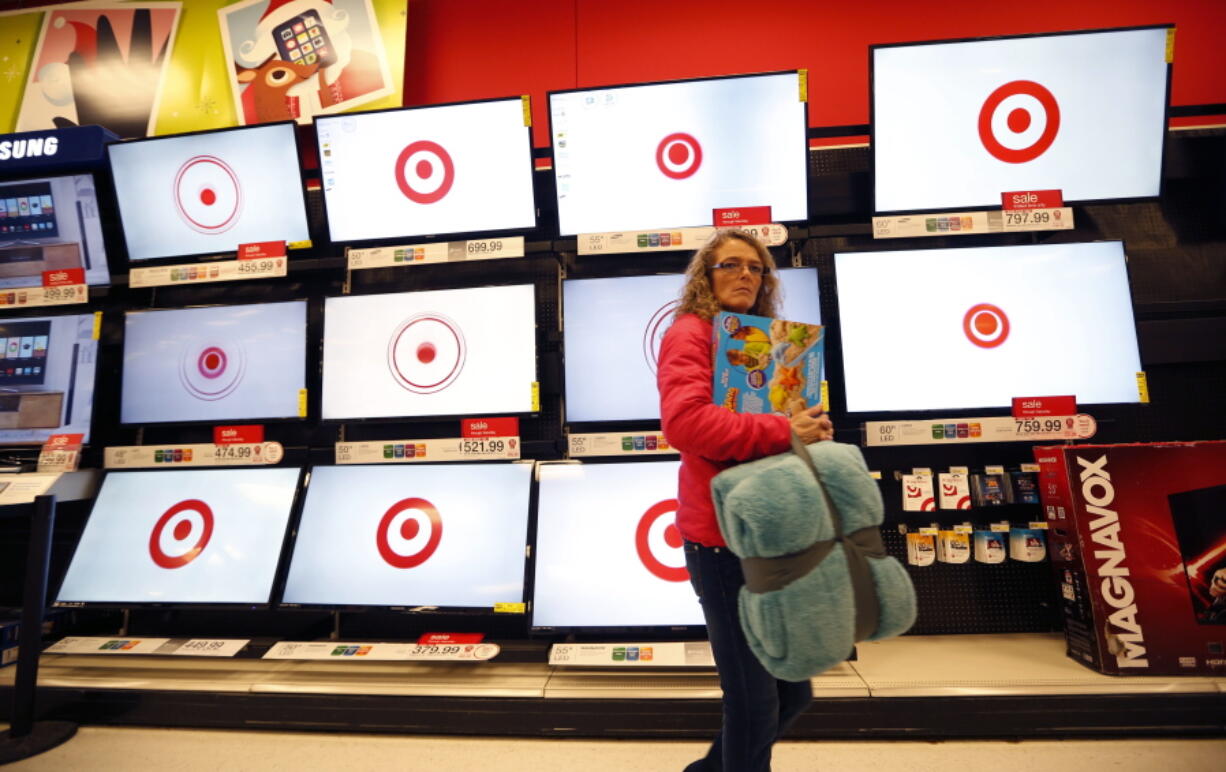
column 430, row 353
column 198, row 536
column 427, row 170
column 220, row 363
column 47, row 369
column 944, row 329
column 957, row 123
column 207, row 193
column 659, row 155
column 612, row 333
column 410, row 535
column 607, row 552
column 50, row 224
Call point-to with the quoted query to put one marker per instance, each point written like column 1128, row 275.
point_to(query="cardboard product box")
column 765, row 365
column 1138, row 542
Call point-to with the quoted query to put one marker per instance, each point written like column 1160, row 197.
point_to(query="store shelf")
column 437, row 679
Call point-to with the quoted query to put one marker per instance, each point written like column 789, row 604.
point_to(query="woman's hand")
column 813, row 425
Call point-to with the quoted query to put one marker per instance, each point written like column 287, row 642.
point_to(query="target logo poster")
column 957, row 124
column 450, row 535
column 441, row 352
column 429, row 170
column 217, row 363
column 665, row 154
column 183, row 536
column 207, row 193
column 612, row 340
column 983, row 325
column 607, row 551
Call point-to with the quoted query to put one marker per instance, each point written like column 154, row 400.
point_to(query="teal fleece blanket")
column 773, row 507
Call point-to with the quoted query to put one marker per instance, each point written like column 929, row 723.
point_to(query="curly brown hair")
column 698, row 298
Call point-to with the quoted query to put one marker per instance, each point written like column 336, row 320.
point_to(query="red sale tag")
column 489, row 427
column 261, row 249
column 1032, row 199
column 63, row 277
column 64, row 442
column 235, row 435
column 1029, row 407
column 744, row 215
column 439, row 639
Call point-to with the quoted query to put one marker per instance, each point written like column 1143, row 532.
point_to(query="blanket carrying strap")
column 769, row 574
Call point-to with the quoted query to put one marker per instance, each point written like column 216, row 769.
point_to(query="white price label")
column 1055, row 219
column 116, row 645
column 437, row 252
column 654, row 654
column 31, row 297
column 356, row 652
column 948, row 431
column 59, row 460
column 200, row 273
column 409, row 451
column 203, row 454
column 972, row 223
column 23, row 488
column 615, row 444
column 209, row 647
column 621, row 242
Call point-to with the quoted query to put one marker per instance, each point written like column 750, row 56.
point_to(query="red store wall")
column 470, row 49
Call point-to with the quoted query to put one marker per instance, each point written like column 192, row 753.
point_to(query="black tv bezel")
column 872, row 119
column 803, row 155
column 412, row 238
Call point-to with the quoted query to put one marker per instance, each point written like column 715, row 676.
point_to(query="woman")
column 731, row 272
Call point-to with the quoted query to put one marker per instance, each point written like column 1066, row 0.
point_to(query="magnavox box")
column 1138, row 541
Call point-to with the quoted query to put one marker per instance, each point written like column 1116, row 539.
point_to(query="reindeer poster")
column 100, row 64
column 294, row 59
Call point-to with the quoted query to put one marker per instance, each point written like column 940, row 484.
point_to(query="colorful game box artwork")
column 765, row 365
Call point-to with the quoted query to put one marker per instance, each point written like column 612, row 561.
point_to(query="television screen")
column 940, row 329
column 183, row 536
column 431, row 353
column 607, row 552
column 219, row 363
column 50, row 224
column 612, row 334
column 46, row 377
column 661, row 155
column 427, row 170
column 955, row 124
column 198, row 194
column 412, row 535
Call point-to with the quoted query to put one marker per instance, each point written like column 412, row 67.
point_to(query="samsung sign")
column 58, row 149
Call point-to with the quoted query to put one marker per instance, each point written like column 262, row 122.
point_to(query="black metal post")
column 27, row 738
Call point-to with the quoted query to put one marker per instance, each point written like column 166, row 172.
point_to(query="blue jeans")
column 758, row 708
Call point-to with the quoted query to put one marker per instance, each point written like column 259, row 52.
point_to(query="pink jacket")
column 710, row 438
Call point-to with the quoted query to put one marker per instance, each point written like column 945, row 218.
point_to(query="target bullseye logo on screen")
column 212, row 370
column 659, row 543
column 653, row 333
column 986, row 325
column 424, row 171
column 679, row 155
column 409, row 533
column 1019, row 121
column 426, row 353
column 207, row 194
column 181, row 534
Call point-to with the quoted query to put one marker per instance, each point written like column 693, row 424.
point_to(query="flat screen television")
column 50, row 224
column 607, row 552
column 421, row 171
column 47, row 369
column 657, row 155
column 220, row 363
column 410, row 535
column 956, row 123
column 184, row 536
column 612, row 333
column 946, row 329
column 430, row 353
column 207, row 193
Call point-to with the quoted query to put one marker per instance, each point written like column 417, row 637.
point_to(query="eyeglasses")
column 732, row 266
